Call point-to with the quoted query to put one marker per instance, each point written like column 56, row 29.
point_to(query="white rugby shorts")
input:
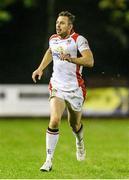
column 74, row 97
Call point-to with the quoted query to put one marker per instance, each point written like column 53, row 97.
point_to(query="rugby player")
column 67, row 88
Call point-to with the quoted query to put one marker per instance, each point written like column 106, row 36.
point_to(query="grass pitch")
column 22, row 150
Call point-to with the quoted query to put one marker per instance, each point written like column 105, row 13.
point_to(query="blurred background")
column 25, row 27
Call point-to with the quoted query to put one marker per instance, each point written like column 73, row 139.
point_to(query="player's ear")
column 70, row 26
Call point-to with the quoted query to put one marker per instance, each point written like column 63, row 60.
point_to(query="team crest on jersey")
column 68, row 41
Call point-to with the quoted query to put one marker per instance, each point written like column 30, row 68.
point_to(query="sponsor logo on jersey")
column 57, row 51
column 56, row 54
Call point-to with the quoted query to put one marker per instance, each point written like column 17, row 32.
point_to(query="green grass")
column 22, row 150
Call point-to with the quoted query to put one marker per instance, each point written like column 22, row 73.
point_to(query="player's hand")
column 65, row 57
column 37, row 74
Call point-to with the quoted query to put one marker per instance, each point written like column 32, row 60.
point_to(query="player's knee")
column 54, row 122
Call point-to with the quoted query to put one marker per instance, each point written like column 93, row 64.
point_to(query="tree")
column 5, row 15
column 117, row 12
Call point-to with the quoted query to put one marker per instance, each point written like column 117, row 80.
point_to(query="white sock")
column 52, row 137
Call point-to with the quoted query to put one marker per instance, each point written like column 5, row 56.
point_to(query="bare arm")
column 44, row 63
column 86, row 59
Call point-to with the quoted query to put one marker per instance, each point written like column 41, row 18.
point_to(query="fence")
column 32, row 101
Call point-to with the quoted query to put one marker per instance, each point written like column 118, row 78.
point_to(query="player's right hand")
column 37, row 74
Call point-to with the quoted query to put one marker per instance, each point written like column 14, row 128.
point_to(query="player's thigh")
column 57, row 107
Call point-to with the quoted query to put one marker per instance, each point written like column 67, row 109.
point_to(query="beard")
column 62, row 34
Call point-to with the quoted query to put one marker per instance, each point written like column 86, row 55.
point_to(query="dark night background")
column 24, row 39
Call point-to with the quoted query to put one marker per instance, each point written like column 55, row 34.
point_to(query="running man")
column 67, row 88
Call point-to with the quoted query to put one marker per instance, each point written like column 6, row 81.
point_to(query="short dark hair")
column 69, row 15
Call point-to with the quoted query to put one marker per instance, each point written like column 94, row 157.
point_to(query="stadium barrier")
column 32, row 101
column 107, row 101
column 24, row 100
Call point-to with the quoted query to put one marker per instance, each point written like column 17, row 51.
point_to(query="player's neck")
column 65, row 36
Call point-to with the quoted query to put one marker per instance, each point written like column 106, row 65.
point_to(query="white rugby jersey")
column 66, row 75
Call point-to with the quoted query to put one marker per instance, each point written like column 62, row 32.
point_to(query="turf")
column 22, row 150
